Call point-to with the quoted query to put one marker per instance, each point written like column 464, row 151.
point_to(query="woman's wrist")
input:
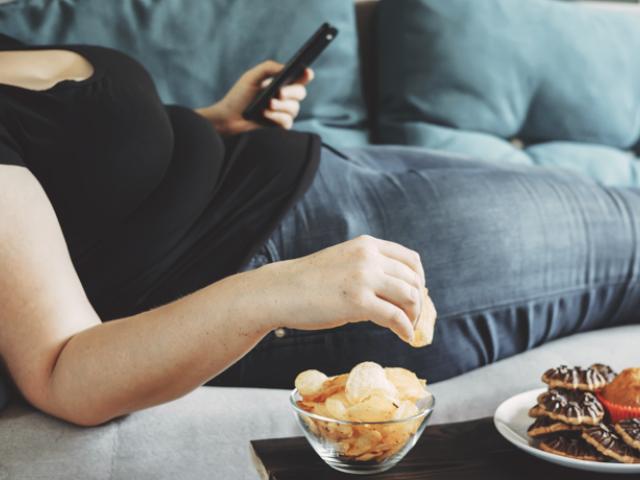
column 216, row 114
column 263, row 296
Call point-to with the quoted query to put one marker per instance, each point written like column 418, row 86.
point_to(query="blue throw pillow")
column 539, row 70
column 196, row 50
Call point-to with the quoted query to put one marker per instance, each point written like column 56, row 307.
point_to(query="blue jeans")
column 515, row 256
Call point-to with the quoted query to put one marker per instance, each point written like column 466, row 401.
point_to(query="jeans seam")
column 556, row 294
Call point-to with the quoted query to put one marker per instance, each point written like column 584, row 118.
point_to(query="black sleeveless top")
column 153, row 203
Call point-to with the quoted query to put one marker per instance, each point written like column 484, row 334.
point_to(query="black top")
column 153, row 203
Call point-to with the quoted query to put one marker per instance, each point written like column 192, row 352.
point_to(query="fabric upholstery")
column 467, row 76
column 206, row 434
column 196, row 50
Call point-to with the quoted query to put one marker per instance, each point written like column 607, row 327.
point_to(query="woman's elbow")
column 69, row 410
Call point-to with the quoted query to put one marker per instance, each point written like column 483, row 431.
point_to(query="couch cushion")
column 196, row 50
column 539, row 70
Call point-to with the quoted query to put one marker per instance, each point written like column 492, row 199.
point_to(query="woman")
column 115, row 207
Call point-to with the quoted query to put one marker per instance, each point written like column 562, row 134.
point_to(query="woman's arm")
column 69, row 364
column 226, row 115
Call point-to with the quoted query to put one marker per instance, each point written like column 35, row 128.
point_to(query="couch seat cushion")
column 206, row 434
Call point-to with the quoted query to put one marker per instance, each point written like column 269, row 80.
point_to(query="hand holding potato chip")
column 426, row 323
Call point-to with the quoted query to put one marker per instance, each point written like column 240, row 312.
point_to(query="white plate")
column 512, row 420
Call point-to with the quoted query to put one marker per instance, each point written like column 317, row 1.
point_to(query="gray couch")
column 206, row 434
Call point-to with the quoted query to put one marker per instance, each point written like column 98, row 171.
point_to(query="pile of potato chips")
column 369, row 393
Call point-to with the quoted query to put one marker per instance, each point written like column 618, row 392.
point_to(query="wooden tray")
column 455, row 451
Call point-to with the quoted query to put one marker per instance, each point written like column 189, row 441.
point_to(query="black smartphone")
column 303, row 58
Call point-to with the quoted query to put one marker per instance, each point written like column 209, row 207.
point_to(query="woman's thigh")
column 514, row 257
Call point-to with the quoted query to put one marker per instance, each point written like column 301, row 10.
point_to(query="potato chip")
column 319, row 408
column 367, row 457
column 337, row 406
column 330, row 387
column 307, row 406
column 364, row 442
column 311, row 424
column 366, row 379
column 424, row 327
column 376, row 408
column 394, row 438
column 339, row 431
column 310, row 382
column 345, row 445
column 407, row 409
column 407, row 384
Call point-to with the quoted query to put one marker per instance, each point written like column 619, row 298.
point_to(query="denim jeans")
column 515, row 256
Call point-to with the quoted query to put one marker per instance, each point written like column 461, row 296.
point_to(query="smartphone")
column 294, row 68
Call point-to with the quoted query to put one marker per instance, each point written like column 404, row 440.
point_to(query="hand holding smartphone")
column 293, row 69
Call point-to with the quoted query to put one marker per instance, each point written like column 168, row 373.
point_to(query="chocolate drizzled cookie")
column 544, row 426
column 570, row 447
column 572, row 407
column 605, row 441
column 605, row 370
column 577, row 378
column 629, row 431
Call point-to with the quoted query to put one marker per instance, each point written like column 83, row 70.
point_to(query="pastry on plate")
column 622, row 396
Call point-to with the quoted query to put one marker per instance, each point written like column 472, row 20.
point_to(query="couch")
column 206, row 433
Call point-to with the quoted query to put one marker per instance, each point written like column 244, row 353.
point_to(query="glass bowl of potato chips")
column 364, row 421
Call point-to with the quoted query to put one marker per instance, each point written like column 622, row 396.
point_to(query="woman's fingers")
column 400, row 270
column 292, row 107
column 401, row 294
column 258, row 74
column 409, row 257
column 390, row 316
column 307, row 77
column 282, row 119
column 294, row 91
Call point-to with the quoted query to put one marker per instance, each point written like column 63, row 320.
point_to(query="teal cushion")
column 196, row 50
column 539, row 70
column 610, row 166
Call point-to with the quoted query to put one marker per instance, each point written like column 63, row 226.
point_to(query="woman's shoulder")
column 102, row 57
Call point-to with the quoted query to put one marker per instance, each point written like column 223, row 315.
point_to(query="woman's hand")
column 226, row 115
column 362, row 279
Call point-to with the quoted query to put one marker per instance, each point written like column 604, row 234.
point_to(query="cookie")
column 577, row 378
column 605, row 370
column 571, row 447
column 572, row 407
column 629, row 431
column 545, row 426
column 605, row 441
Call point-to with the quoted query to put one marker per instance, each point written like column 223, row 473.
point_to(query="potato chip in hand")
column 426, row 323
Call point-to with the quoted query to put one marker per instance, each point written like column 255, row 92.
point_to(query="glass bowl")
column 362, row 447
